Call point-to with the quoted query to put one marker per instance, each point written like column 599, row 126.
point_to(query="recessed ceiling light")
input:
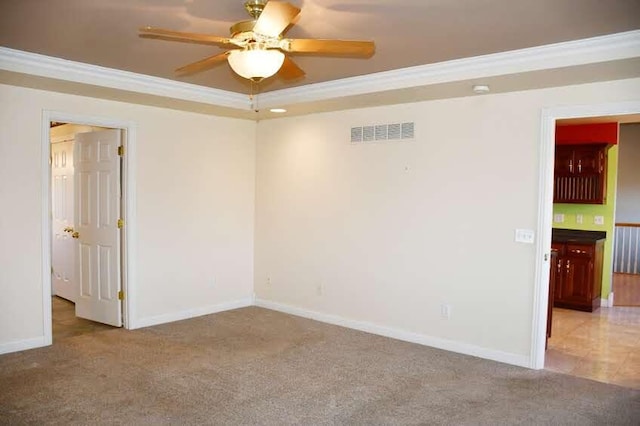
column 480, row 88
column 278, row 110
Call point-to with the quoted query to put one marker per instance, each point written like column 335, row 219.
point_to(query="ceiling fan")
column 256, row 48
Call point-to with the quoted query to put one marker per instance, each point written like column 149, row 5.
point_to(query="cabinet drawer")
column 580, row 250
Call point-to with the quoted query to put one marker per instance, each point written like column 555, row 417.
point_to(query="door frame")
column 128, row 208
column 545, row 210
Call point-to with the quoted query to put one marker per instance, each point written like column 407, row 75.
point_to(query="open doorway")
column 614, row 112
column 589, row 337
column 85, row 246
column 77, row 295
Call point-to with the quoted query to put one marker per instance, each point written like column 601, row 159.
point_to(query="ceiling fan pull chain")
column 253, row 96
column 257, row 95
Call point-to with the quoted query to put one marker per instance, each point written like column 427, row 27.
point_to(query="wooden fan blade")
column 290, row 70
column 355, row 48
column 162, row 34
column 202, row 65
column 275, row 18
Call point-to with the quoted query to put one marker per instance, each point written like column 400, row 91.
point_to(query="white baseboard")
column 22, row 345
column 191, row 313
column 407, row 336
column 607, row 303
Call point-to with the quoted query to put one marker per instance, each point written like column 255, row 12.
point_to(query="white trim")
column 22, row 345
column 130, row 234
column 606, row 48
column 395, row 333
column 192, row 313
column 608, row 302
column 545, row 209
column 62, row 69
column 128, row 242
column 543, row 246
column 46, row 228
column 579, row 52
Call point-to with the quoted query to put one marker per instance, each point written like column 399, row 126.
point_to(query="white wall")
column 389, row 230
column 195, row 209
column 628, row 189
column 393, row 230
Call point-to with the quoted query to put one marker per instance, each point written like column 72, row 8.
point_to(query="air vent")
column 383, row 132
column 394, row 131
column 369, row 133
column 356, row 134
column 407, row 130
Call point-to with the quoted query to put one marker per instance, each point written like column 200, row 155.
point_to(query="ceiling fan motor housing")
column 242, row 27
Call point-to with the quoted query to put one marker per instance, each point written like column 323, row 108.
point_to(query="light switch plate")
column 598, row 220
column 579, row 218
column 558, row 218
column 524, row 236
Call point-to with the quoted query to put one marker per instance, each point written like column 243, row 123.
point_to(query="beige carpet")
column 258, row 367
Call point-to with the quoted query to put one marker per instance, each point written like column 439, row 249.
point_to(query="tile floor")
column 603, row 345
column 66, row 324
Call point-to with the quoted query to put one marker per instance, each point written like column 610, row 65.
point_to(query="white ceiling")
column 407, row 32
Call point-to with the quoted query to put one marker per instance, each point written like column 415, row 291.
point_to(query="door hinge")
column 121, row 295
column 120, row 223
column 121, row 150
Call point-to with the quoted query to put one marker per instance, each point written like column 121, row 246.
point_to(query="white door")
column 62, row 267
column 97, row 210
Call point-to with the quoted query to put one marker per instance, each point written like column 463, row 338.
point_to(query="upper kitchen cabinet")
column 580, row 172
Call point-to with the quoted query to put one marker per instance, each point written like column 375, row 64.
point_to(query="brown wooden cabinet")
column 577, row 274
column 580, row 174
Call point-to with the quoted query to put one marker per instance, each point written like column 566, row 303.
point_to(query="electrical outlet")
column 598, row 220
column 268, row 281
column 579, row 219
column 445, row 311
column 558, row 218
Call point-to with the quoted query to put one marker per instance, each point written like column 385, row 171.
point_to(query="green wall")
column 588, row 211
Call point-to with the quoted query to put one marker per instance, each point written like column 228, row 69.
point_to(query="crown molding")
column 612, row 47
column 579, row 52
column 77, row 72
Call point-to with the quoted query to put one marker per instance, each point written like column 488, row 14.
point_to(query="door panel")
column 588, row 160
column 564, row 162
column 62, row 193
column 97, row 207
column 579, row 270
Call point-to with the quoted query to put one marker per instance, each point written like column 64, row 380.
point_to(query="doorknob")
column 68, row 229
column 75, row 235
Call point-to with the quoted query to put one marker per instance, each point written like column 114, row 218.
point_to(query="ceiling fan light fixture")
column 256, row 64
